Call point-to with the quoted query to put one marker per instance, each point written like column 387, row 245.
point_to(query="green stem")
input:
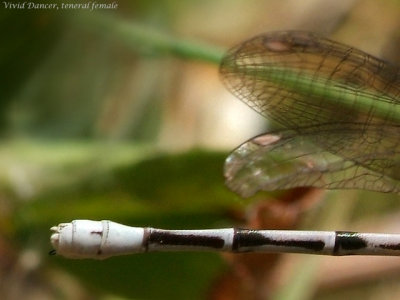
column 145, row 39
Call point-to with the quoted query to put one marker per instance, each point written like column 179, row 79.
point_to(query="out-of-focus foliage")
column 100, row 113
column 136, row 194
column 27, row 40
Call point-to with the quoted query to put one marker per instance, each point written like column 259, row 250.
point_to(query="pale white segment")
column 289, row 237
column 96, row 239
column 380, row 244
column 225, row 234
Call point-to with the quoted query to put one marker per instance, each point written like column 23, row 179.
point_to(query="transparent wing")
column 285, row 159
column 339, row 108
column 300, row 79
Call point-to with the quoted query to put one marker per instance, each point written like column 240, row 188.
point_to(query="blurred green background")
column 120, row 114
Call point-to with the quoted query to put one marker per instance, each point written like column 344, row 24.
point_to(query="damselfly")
column 339, row 112
column 102, row 239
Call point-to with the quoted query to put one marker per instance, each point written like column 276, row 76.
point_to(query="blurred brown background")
column 120, row 114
